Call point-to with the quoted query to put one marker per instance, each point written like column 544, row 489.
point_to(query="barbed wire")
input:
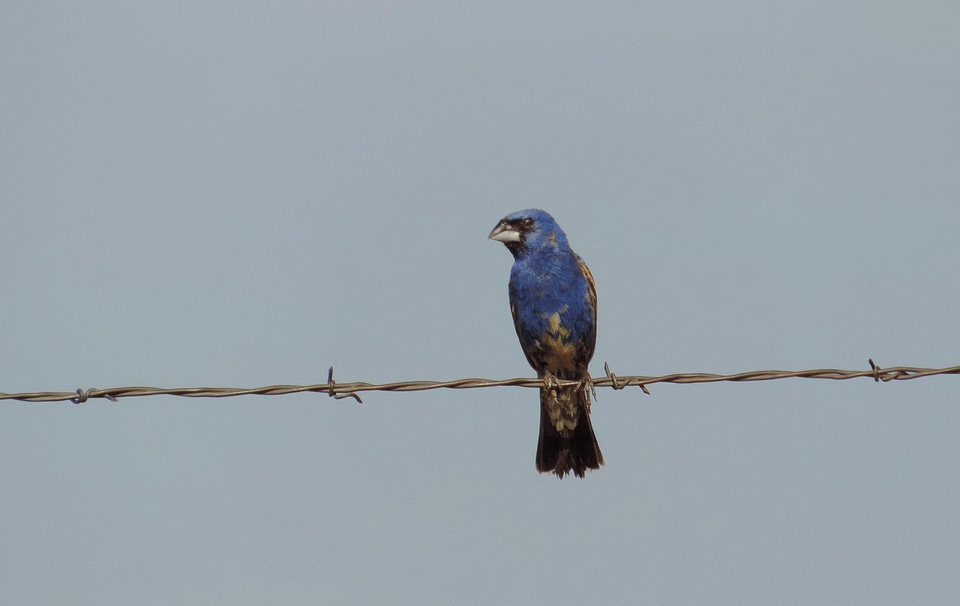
column 350, row 390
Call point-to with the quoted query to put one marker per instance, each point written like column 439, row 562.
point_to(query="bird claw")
column 550, row 380
column 585, row 384
column 551, row 383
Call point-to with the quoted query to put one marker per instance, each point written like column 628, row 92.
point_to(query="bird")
column 553, row 300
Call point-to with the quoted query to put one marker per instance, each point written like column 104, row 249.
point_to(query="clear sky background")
column 243, row 194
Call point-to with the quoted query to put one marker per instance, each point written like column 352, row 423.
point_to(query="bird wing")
column 592, row 297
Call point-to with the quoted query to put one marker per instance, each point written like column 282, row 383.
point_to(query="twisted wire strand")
column 352, row 389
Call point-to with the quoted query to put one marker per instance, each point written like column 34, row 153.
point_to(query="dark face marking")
column 518, row 228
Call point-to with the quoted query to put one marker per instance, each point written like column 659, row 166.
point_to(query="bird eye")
column 528, row 222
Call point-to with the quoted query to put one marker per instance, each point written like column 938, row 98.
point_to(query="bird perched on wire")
column 553, row 300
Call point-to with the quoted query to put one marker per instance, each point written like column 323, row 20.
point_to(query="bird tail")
column 567, row 442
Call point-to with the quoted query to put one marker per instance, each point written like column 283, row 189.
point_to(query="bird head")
column 527, row 230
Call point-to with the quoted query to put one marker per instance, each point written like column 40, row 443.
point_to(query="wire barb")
column 615, row 383
column 613, row 378
column 84, row 395
column 333, row 394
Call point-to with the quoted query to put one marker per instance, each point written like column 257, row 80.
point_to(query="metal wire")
column 350, row 390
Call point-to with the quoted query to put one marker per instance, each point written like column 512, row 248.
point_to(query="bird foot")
column 551, row 383
column 585, row 384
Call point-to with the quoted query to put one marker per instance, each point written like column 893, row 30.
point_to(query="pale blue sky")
column 239, row 195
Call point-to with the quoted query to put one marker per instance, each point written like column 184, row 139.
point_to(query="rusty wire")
column 350, row 390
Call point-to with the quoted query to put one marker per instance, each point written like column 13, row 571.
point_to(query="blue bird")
column 553, row 300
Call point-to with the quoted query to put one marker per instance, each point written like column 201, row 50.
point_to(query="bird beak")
column 505, row 233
